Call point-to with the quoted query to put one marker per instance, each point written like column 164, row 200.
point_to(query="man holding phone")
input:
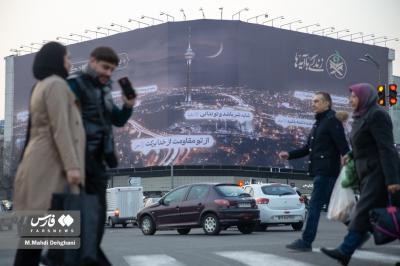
column 92, row 87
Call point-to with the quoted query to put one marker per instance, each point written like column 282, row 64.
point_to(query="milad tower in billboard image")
column 189, row 55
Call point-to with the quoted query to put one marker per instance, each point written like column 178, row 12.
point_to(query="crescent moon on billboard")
column 221, row 48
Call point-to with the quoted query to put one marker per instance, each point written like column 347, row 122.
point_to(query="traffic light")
column 381, row 95
column 392, row 94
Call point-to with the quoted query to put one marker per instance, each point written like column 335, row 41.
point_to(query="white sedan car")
column 279, row 204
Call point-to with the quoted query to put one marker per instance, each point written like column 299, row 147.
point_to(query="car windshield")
column 278, row 190
column 231, row 191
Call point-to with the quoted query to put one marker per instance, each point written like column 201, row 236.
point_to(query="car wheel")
column 147, row 225
column 246, row 228
column 184, row 231
column 297, row 226
column 211, row 225
column 111, row 223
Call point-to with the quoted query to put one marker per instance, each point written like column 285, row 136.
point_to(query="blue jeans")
column 351, row 242
column 321, row 194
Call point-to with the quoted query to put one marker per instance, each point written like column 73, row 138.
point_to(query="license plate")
column 244, row 205
column 285, row 217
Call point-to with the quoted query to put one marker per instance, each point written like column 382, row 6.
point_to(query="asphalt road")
column 128, row 246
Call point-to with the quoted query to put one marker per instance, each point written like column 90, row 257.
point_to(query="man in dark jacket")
column 325, row 144
column 92, row 87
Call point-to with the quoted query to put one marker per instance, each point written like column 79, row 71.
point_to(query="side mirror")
column 165, row 203
column 161, row 201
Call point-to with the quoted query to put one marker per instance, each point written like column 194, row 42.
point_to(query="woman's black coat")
column 376, row 161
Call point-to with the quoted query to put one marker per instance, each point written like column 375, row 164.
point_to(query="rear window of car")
column 230, row 190
column 278, row 190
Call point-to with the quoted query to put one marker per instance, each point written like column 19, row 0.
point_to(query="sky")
column 23, row 22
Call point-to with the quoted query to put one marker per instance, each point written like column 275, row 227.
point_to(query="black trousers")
column 96, row 183
column 27, row 257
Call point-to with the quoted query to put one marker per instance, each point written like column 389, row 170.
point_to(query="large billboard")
column 214, row 92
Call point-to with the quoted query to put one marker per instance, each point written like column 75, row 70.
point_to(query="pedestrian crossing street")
column 256, row 258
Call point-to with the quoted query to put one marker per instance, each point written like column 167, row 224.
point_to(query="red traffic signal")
column 381, row 95
column 392, row 94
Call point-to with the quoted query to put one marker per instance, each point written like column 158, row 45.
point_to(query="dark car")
column 212, row 207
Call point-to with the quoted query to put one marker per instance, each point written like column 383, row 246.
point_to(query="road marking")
column 253, row 258
column 152, row 260
column 371, row 256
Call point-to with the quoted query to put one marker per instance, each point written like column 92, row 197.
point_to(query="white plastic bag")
column 342, row 202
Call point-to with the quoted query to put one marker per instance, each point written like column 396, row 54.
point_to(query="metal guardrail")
column 210, row 170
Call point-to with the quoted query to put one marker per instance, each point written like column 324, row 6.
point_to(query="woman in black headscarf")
column 376, row 162
column 54, row 152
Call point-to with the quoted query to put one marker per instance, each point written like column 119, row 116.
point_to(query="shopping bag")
column 342, row 202
column 385, row 223
column 349, row 178
column 88, row 205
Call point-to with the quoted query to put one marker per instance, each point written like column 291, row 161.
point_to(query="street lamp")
column 67, row 39
column 370, row 59
column 240, row 11
column 351, row 35
column 385, row 41
column 265, row 15
column 35, row 43
column 376, row 38
column 363, row 36
column 272, row 20
column 183, row 13
column 139, row 22
column 29, row 47
column 290, row 24
column 107, row 29
column 78, row 35
column 306, row 27
column 337, row 32
column 96, row 32
column 168, row 16
column 323, row 30
column 18, row 51
column 120, row 26
column 202, row 11
column 46, row 41
column 222, row 9
column 152, row 19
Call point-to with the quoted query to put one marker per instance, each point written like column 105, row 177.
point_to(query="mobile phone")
column 127, row 88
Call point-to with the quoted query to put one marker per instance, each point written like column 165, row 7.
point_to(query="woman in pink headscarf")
column 376, row 162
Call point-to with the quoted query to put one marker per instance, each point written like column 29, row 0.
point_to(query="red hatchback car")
column 211, row 206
